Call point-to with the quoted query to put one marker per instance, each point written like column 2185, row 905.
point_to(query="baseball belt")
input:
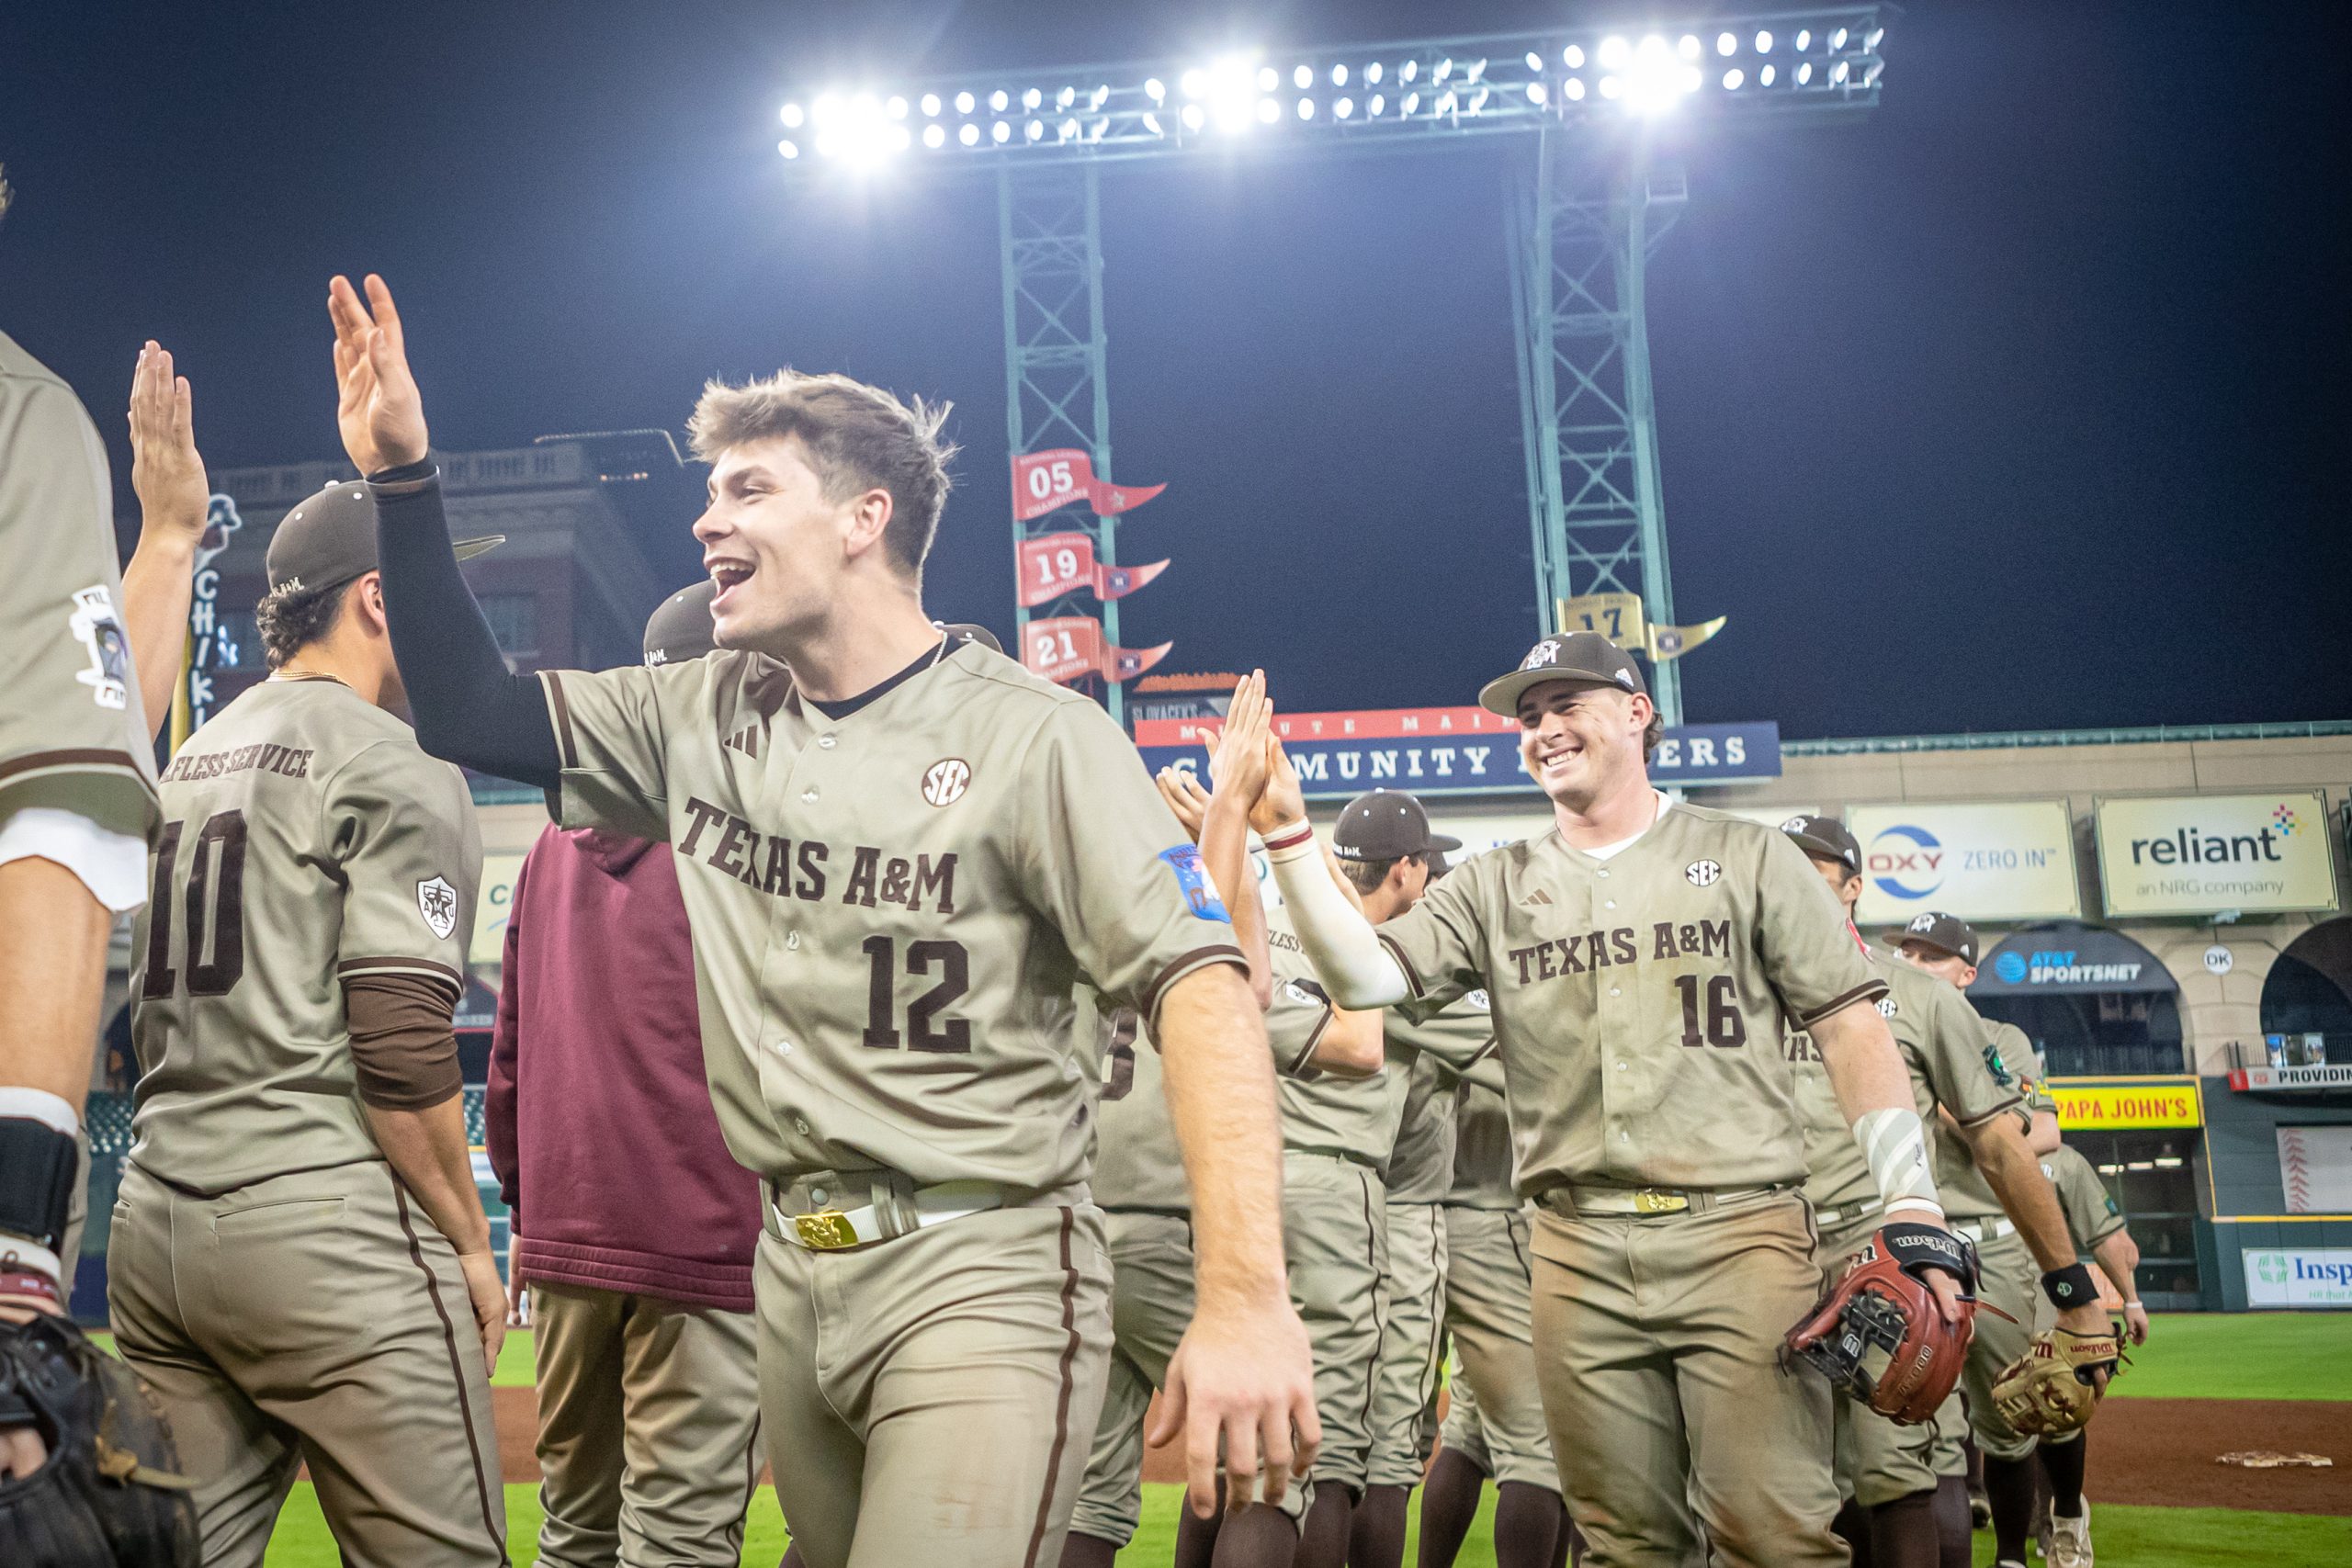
column 816, row 1210
column 1571, row 1201
column 1981, row 1231
column 1829, row 1217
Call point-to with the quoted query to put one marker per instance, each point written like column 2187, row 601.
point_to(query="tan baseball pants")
column 649, row 1429
column 1658, row 1346
column 1488, row 1302
column 1151, row 1305
column 314, row 1318
column 929, row 1400
column 1412, row 1344
column 1335, row 1242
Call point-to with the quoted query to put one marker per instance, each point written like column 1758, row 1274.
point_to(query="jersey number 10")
column 216, row 908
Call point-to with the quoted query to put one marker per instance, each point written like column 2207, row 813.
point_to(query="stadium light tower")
column 1585, row 206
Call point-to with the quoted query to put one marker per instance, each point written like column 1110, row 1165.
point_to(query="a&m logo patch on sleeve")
column 1192, row 876
column 437, row 901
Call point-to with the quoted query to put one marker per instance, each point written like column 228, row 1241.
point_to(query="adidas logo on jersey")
column 746, row 740
column 1536, row 900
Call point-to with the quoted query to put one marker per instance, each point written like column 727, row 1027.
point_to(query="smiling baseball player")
column 900, row 856
column 1645, row 960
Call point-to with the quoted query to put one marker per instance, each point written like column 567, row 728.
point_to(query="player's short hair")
column 1366, row 875
column 857, row 438
column 1652, row 733
column 291, row 618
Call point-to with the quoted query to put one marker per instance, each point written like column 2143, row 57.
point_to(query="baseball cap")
column 331, row 538
column 1586, row 657
column 1945, row 933
column 970, row 631
column 1387, row 824
column 680, row 628
column 1824, row 838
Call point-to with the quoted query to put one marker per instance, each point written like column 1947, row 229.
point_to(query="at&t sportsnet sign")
column 1450, row 751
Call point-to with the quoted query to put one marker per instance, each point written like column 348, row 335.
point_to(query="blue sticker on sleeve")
column 1192, row 876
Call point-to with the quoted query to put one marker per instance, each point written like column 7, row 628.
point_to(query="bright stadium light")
column 968, row 134
column 1513, row 84
column 789, row 149
column 935, row 136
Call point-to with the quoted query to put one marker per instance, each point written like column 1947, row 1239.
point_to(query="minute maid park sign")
column 2202, row 854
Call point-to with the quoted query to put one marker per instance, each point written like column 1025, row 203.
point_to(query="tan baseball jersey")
column 1641, row 1001
column 892, row 909
column 1482, row 1174
column 1439, row 1048
column 2091, row 1213
column 306, row 841
column 73, row 727
column 1940, row 1038
column 1138, row 1164
column 2009, row 1059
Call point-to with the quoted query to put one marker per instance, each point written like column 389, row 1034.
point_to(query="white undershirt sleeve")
column 112, row 866
column 1348, row 958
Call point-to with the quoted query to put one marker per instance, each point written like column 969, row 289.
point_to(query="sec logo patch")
column 1703, row 872
column 1886, row 1007
column 944, row 781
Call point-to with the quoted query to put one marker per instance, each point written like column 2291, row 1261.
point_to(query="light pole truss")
column 1049, row 223
column 1580, row 232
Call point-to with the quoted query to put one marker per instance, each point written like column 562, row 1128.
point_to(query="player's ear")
column 869, row 520
column 367, row 601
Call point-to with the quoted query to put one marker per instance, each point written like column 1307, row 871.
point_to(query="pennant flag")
column 1065, row 648
column 1673, row 642
column 1047, row 481
column 1056, row 564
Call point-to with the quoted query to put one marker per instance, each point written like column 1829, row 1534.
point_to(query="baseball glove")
column 1883, row 1303
column 108, row 1497
column 2051, row 1387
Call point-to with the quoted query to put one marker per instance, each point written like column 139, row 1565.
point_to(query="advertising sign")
column 2301, row 1277
column 2069, row 957
column 1452, row 751
column 492, row 907
column 2315, row 1168
column 2107, row 1107
column 2326, row 1076
column 2003, row 861
column 2201, row 854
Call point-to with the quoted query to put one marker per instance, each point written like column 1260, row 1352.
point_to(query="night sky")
column 2018, row 404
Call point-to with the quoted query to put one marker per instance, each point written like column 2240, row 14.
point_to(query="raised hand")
column 378, row 407
column 1183, row 792
column 1281, row 800
column 1238, row 761
column 166, row 473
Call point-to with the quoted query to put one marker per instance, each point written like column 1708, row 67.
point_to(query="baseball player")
column 900, row 856
column 1889, row 1470
column 77, row 797
column 2008, row 1260
column 299, row 1265
column 1643, row 959
column 1139, row 1177
column 1494, row 1425
column 1379, row 840
column 2096, row 1226
column 639, row 1292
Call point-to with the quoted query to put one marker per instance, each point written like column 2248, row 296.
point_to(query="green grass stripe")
column 2139, row 1538
column 2243, row 1355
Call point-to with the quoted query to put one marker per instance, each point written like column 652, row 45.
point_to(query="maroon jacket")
column 599, row 1121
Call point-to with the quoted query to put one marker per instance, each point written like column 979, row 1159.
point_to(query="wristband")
column 2070, row 1287
column 1290, row 839
column 39, row 1287
column 405, row 477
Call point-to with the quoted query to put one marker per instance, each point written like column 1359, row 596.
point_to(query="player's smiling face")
column 774, row 543
column 1577, row 738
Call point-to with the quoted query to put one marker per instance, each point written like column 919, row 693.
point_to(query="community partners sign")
column 2005, row 861
column 2204, row 853
column 2304, row 1277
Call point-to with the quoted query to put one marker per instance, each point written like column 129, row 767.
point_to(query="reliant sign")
column 2007, row 861
column 2304, row 1277
column 2203, row 854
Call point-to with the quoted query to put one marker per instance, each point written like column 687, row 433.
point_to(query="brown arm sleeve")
column 403, row 1047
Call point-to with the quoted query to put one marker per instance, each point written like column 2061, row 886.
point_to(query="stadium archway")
column 2093, row 1002
column 2307, row 997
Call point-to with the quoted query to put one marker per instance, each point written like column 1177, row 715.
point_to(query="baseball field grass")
column 2301, row 1356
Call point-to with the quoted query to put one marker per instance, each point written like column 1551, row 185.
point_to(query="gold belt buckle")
column 1651, row 1200
column 827, row 1230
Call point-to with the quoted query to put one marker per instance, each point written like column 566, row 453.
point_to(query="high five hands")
column 378, row 407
